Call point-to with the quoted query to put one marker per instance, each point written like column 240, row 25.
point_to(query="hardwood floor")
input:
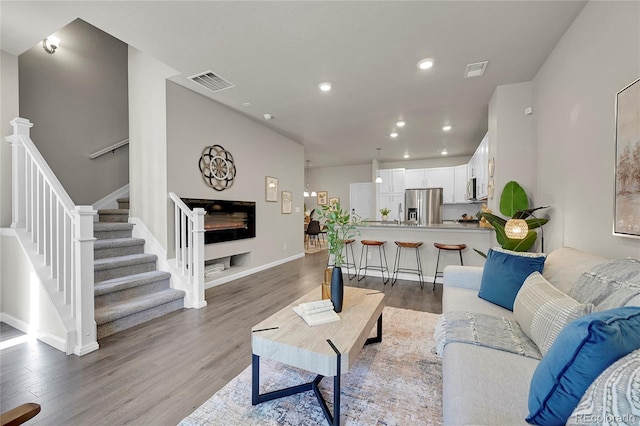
column 159, row 372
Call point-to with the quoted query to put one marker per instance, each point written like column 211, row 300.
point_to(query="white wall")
column 511, row 141
column 8, row 111
column 194, row 122
column 148, row 142
column 574, row 95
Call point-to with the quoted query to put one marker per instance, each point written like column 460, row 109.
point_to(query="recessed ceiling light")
column 268, row 117
column 405, row 156
column 446, row 128
column 246, row 104
column 444, row 152
column 400, row 123
column 393, row 134
column 325, row 87
column 425, row 64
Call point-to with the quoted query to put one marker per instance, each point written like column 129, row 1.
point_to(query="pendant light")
column 378, row 179
column 306, row 186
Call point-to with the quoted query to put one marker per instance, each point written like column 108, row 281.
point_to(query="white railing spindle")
column 189, row 248
column 61, row 231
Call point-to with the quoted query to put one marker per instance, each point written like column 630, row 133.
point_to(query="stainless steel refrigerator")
column 423, row 206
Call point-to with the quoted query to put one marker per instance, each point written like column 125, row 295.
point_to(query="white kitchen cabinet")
column 478, row 167
column 392, row 181
column 441, row 177
column 391, row 201
column 415, row 178
column 460, row 180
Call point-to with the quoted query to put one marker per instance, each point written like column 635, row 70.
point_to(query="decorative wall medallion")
column 217, row 167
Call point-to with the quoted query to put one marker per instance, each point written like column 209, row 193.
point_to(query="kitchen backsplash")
column 455, row 211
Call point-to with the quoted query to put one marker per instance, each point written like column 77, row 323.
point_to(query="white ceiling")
column 277, row 52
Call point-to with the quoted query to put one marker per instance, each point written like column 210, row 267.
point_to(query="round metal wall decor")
column 217, row 167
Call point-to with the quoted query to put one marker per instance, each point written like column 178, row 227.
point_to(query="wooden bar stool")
column 397, row 268
column 450, row 247
column 383, row 265
column 348, row 244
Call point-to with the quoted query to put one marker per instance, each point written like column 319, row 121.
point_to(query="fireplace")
column 226, row 220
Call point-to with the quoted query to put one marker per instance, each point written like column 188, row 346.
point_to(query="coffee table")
column 327, row 350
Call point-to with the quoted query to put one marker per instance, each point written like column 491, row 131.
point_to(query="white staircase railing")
column 189, row 248
column 62, row 234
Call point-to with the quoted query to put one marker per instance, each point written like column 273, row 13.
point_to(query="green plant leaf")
column 521, row 245
column 535, row 223
column 513, row 198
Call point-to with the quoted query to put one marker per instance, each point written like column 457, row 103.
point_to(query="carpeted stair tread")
column 117, row 242
column 114, row 211
column 129, row 281
column 122, row 261
column 136, row 305
column 112, row 226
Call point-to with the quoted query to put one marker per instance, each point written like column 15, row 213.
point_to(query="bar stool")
column 382, row 267
column 397, row 268
column 450, row 247
column 349, row 265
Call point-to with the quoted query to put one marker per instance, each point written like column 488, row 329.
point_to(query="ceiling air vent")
column 475, row 70
column 211, row 81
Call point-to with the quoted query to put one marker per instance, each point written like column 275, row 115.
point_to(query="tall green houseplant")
column 514, row 203
column 339, row 227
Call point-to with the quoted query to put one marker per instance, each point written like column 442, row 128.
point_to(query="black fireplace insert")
column 226, row 220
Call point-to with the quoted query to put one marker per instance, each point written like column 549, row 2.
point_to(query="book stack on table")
column 317, row 313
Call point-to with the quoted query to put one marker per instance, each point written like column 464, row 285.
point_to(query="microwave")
column 471, row 190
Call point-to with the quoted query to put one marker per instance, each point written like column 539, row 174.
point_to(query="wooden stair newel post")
column 21, row 127
column 83, row 286
column 198, row 259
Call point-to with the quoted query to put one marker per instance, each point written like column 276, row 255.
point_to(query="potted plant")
column 385, row 213
column 340, row 227
column 514, row 203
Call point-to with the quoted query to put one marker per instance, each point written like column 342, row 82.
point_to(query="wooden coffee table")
column 328, row 350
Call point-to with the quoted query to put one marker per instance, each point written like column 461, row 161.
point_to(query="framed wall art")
column 271, row 189
column 627, row 177
column 322, row 198
column 333, row 201
column 287, row 201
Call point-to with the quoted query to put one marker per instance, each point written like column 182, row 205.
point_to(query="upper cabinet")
column 460, row 180
column 479, row 169
column 392, row 181
column 436, row 177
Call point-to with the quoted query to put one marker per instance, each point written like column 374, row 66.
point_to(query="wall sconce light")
column 50, row 44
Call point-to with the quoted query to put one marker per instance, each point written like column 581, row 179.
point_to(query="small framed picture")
column 322, row 198
column 333, row 201
column 271, row 189
column 287, row 200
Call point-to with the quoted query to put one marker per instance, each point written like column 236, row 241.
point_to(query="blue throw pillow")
column 503, row 275
column 582, row 350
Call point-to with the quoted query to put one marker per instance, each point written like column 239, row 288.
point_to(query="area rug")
column 316, row 248
column 396, row 382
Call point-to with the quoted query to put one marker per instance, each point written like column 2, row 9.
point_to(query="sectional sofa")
column 490, row 386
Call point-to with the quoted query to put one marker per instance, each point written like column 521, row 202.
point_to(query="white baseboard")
column 50, row 339
column 247, row 272
column 111, row 201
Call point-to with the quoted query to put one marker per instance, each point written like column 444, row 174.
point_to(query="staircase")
column 128, row 288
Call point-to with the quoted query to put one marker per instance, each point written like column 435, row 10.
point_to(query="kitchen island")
column 447, row 233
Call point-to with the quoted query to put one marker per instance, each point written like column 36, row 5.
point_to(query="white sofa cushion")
column 565, row 265
column 484, row 386
column 542, row 310
column 462, row 299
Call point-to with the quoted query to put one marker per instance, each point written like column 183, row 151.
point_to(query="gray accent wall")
column 77, row 100
column 574, row 94
column 8, row 111
column 194, row 122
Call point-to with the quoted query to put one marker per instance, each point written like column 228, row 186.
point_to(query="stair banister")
column 189, row 248
column 62, row 233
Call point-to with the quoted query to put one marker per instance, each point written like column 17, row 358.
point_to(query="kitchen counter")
column 452, row 225
column 449, row 232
